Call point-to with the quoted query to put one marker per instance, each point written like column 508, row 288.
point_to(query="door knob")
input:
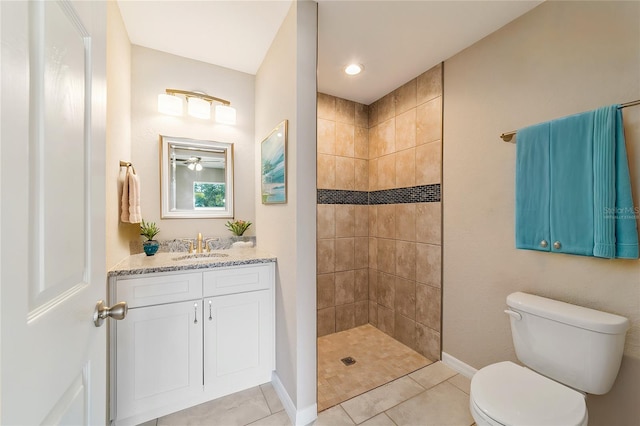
column 117, row 312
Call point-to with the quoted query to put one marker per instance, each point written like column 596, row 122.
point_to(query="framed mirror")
column 196, row 178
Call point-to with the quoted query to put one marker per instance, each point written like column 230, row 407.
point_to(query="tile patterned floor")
column 432, row 396
column 379, row 359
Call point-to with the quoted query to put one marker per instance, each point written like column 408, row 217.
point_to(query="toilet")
column 568, row 351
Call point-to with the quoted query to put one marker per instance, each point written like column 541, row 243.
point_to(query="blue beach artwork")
column 274, row 189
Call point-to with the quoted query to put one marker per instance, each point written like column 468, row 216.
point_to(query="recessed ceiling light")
column 354, row 69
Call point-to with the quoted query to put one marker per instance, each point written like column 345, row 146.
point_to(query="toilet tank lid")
column 577, row 316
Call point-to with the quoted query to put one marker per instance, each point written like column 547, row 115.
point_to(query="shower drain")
column 348, row 361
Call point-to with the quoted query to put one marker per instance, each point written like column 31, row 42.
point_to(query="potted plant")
column 149, row 230
column 237, row 227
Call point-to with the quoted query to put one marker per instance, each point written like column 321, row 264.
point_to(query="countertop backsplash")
column 182, row 244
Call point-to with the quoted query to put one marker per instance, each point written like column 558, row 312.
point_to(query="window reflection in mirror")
column 196, row 178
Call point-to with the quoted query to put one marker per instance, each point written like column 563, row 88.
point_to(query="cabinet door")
column 159, row 359
column 239, row 342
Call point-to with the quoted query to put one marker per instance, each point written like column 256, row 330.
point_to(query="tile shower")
column 379, row 214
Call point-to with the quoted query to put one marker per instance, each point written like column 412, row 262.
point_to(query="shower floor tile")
column 379, row 360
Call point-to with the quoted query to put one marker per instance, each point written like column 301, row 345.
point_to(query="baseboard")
column 298, row 417
column 462, row 368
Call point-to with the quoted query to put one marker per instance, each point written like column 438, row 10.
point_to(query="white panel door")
column 52, row 256
column 238, row 342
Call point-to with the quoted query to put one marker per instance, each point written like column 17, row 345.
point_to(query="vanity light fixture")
column 198, row 105
column 353, row 69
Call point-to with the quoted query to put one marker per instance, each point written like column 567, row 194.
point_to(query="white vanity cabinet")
column 190, row 337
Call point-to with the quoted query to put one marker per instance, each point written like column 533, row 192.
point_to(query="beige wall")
column 118, row 134
column 152, row 72
column 380, row 263
column 561, row 58
column 286, row 89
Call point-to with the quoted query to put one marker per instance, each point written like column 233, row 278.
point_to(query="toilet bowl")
column 567, row 350
column 506, row 394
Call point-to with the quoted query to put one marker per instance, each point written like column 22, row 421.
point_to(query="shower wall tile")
column 344, row 254
column 344, row 287
column 429, row 84
column 429, row 264
column 326, row 137
column 361, row 313
column 326, row 321
column 361, row 143
column 326, row 291
column 345, row 220
column 429, row 156
column 386, row 290
column 345, row 111
column 361, row 171
column 387, row 256
column 405, row 221
column 373, row 285
column 386, row 320
column 345, row 173
column 326, row 221
column 387, row 137
column 386, row 221
column 373, row 175
column 361, row 115
column 373, row 253
column 361, row 228
column 428, row 342
column 405, row 97
column 405, row 330
column 406, row 168
column 361, row 285
column 326, row 107
column 345, row 140
column 406, row 259
column 374, row 142
column 326, row 256
column 386, row 108
column 373, row 114
column 428, row 223
column 429, row 121
column 345, row 317
column 428, row 306
column 387, row 171
column 373, row 313
column 326, row 171
column 406, row 130
column 361, row 252
column 373, row 221
column 405, row 298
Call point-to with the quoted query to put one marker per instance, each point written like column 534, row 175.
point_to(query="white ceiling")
column 395, row 40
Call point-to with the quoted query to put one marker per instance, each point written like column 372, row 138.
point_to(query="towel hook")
column 127, row 165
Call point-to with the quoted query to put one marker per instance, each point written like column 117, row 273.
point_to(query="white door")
column 52, row 255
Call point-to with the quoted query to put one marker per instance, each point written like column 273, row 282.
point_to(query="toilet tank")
column 577, row 346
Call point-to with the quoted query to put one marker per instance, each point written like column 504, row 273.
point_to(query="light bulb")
column 169, row 104
column 199, row 108
column 353, row 69
column 198, row 166
column 225, row 114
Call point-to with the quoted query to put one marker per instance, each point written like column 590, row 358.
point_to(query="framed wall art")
column 274, row 166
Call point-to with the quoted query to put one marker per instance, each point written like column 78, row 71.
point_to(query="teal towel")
column 583, row 201
column 614, row 226
column 532, row 188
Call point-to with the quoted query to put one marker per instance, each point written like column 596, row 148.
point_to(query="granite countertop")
column 138, row 264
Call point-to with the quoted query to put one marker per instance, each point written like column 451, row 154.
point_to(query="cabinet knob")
column 557, row 245
column 543, row 243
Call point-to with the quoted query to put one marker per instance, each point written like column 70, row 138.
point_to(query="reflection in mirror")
column 196, row 178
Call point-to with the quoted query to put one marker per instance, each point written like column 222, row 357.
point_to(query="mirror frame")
column 165, row 185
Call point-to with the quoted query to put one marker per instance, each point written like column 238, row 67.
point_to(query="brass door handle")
column 117, row 312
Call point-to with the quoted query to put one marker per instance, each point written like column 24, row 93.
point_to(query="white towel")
column 131, row 198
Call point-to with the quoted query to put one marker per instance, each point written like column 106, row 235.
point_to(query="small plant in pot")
column 149, row 230
column 237, row 227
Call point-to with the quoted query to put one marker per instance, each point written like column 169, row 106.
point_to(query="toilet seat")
column 508, row 394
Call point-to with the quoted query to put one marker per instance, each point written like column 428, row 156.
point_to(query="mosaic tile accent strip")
column 414, row 194
column 336, row 196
